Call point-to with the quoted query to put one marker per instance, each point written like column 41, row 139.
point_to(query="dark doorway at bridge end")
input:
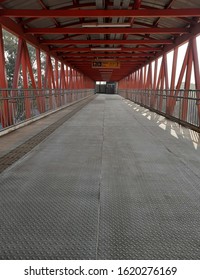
column 106, row 87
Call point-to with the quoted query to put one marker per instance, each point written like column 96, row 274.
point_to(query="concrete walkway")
column 113, row 182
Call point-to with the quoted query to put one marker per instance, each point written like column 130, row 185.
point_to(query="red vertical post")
column 39, row 76
column 172, row 85
column 25, row 82
column 69, row 92
column 5, row 112
column 82, row 85
column 39, row 82
column 165, row 66
column 57, row 82
column 46, row 72
column 145, row 75
column 66, row 76
column 71, row 84
column 56, row 75
column 162, row 81
column 187, row 84
column 155, row 74
column 75, row 84
column 150, row 85
column 153, row 95
column 67, row 83
column 50, row 79
column 180, row 79
column 17, row 64
column 62, row 83
column 196, row 72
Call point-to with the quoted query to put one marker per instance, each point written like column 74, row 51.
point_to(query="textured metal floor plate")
column 106, row 184
column 15, row 154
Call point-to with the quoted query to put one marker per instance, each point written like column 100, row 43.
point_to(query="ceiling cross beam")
column 99, row 30
column 107, row 42
column 75, row 49
column 149, row 13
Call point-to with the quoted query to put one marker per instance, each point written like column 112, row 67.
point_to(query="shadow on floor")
column 176, row 130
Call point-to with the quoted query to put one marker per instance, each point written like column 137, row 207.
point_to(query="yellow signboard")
column 105, row 64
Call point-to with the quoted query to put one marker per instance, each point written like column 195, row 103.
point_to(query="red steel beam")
column 89, row 65
column 106, row 42
column 124, row 63
column 196, row 65
column 99, row 30
column 137, row 4
column 84, row 55
column 196, row 72
column 68, row 49
column 106, row 58
column 5, row 116
column 184, row 112
column 150, row 13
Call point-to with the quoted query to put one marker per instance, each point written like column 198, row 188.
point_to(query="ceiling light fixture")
column 106, row 49
column 106, row 25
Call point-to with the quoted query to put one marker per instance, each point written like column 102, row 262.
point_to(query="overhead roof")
column 81, row 32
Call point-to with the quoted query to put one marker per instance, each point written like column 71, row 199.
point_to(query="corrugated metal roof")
column 21, row 4
column 186, row 4
column 172, row 22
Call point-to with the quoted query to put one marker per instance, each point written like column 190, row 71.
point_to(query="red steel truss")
column 156, row 82
column 151, row 31
column 64, row 78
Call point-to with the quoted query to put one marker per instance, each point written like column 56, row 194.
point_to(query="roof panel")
column 157, row 4
column 56, row 4
column 185, row 4
column 21, row 4
column 172, row 22
column 41, row 23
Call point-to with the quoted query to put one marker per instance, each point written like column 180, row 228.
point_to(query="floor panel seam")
column 100, row 184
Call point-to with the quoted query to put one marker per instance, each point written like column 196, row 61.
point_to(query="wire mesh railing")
column 19, row 105
column 182, row 106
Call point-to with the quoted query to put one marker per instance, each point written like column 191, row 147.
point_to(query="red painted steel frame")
column 160, row 80
column 54, row 79
column 76, row 49
column 5, row 115
column 151, row 13
column 99, row 30
column 107, row 42
column 143, row 72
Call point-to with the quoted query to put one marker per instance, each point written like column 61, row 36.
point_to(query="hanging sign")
column 105, row 64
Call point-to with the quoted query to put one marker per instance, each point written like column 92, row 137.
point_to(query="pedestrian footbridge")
column 102, row 179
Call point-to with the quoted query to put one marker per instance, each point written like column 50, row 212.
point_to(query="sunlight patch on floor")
column 173, row 133
column 162, row 125
column 176, row 130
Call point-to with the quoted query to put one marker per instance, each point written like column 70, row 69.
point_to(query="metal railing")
column 19, row 105
column 182, row 106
